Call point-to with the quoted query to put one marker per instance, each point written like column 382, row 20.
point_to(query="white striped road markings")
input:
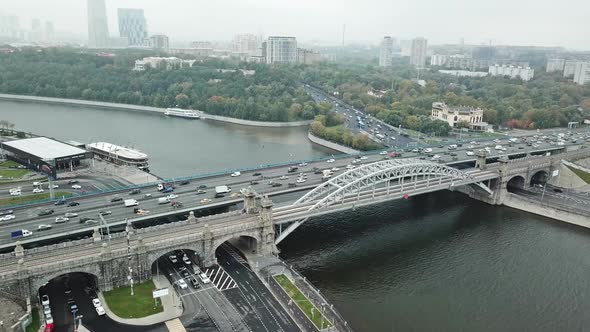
column 220, row 279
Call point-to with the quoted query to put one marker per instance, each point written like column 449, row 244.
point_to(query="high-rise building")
column 281, row 50
column 36, row 34
column 555, row 65
column 49, row 31
column 386, row 52
column 9, row 26
column 582, row 73
column 524, row 73
column 246, row 44
column 418, row 52
column 132, row 25
column 201, row 44
column 159, row 42
column 98, row 30
column 569, row 68
column 308, row 57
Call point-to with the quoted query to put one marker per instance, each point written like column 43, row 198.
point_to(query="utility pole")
column 130, row 276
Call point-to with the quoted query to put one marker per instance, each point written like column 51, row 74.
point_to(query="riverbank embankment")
column 330, row 145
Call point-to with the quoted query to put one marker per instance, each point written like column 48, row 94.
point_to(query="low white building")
column 464, row 73
column 524, row 73
column 582, row 73
column 456, row 114
column 167, row 63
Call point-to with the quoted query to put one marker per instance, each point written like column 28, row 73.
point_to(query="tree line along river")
column 437, row 262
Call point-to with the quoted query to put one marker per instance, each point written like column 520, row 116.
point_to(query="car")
column 194, row 282
column 219, row 195
column 557, row 190
column 134, row 191
column 201, row 191
column 330, row 160
column 76, row 186
column 428, row 150
column 254, row 183
column 73, row 204
column 364, row 158
column 91, row 221
column 300, row 180
column 256, row 174
column 204, row 278
column 202, row 186
column 173, row 259
column 206, row 200
column 172, row 196
column 284, row 177
column 276, row 184
column 469, row 153
column 350, row 166
column 383, row 153
column 96, row 303
column 116, row 199
column 100, row 311
column 235, row 174
column 46, row 212
column 234, row 195
column 15, row 193
column 44, row 227
column 168, row 190
column 84, row 219
column 60, row 202
column 185, row 182
column 54, row 186
column 105, row 213
column 5, row 212
column 70, row 215
column 335, row 169
column 7, row 217
column 140, row 212
column 46, row 310
column 38, row 190
column 302, row 164
column 435, row 157
column 45, row 300
column 182, row 284
column 72, row 181
column 61, row 220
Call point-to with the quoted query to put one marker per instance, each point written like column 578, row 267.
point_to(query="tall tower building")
column 281, row 50
column 245, row 44
column 98, row 31
column 132, row 25
column 386, row 52
column 418, row 52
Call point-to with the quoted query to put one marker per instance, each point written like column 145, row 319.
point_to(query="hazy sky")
column 518, row 22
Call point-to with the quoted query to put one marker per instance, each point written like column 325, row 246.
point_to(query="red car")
column 48, row 328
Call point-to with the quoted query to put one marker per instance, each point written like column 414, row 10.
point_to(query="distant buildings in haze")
column 98, row 31
column 582, row 72
column 454, row 115
column 418, row 52
column 132, row 25
column 386, row 52
column 167, row 63
column 281, row 49
column 524, row 73
column 579, row 70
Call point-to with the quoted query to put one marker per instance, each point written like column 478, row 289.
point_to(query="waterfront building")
column 582, row 73
column 280, row 49
column 132, row 25
column 555, row 65
column 454, row 115
column 418, row 52
column 98, row 31
column 386, row 52
column 119, row 155
column 524, row 73
column 167, row 63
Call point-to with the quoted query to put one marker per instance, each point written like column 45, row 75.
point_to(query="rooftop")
column 44, row 148
column 118, row 150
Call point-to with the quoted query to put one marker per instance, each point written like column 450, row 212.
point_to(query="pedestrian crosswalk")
column 175, row 325
column 220, row 279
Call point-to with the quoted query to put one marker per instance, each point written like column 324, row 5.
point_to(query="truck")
column 20, row 233
column 131, row 202
column 163, row 200
column 222, row 189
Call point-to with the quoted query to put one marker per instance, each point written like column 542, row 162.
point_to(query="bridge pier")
column 267, row 244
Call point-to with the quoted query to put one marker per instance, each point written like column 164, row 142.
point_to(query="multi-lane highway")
column 90, row 206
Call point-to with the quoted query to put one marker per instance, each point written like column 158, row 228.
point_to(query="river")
column 438, row 262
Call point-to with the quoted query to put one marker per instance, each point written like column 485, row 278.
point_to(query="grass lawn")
column 13, row 173
column 34, row 327
column 13, row 200
column 302, row 302
column 583, row 175
column 141, row 304
column 9, row 163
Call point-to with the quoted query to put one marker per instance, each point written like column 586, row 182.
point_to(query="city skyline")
column 366, row 22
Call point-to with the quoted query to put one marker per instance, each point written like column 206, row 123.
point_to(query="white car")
column 186, row 260
column 284, row 177
column 46, row 310
column 469, row 153
column 76, row 186
column 15, row 193
column 498, row 147
column 173, row 259
column 54, row 186
column 172, row 196
column 61, row 220
column 435, row 157
column 45, row 300
column 303, row 164
column 182, row 284
column 330, row 160
column 383, row 153
column 14, row 189
column 96, row 303
column 7, row 217
column 38, row 190
column 70, row 215
column 300, row 180
column 204, row 278
column 100, row 311
column 44, row 227
column 335, row 169
column 427, row 150
column 350, row 166
column 235, row 174
column 364, row 158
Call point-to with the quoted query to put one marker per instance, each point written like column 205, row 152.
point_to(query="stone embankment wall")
column 524, row 204
column 331, row 145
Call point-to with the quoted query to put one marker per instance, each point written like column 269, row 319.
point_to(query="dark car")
column 5, row 212
column 254, row 182
column 557, row 190
column 219, row 195
column 72, row 181
column 256, row 174
column 73, row 204
column 184, row 183
column 203, row 186
column 276, row 184
column 116, row 199
column 60, row 202
column 134, row 192
column 104, row 213
column 46, row 212
column 84, row 219
column 194, row 282
column 292, row 184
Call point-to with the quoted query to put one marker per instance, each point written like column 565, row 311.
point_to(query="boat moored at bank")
column 179, row 112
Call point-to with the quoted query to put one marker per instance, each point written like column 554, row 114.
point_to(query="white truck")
column 131, row 202
column 163, row 200
column 222, row 189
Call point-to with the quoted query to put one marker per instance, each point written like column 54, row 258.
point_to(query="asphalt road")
column 27, row 218
column 577, row 202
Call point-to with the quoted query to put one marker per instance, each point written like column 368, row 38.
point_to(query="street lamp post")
column 130, row 276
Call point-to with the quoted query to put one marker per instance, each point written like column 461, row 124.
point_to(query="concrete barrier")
column 330, row 145
column 531, row 206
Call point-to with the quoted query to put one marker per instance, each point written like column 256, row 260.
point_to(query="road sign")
column 159, row 292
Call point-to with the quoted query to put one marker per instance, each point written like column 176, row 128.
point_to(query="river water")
column 438, row 262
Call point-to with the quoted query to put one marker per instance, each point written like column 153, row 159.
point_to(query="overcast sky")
column 517, row 22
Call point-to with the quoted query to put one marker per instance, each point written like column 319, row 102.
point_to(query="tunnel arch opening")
column 539, row 178
column 515, row 183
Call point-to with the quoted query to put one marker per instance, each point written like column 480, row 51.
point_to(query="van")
column 163, row 200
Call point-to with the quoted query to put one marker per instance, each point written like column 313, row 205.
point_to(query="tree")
column 182, row 100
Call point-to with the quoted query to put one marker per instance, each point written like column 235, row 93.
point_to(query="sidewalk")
column 170, row 312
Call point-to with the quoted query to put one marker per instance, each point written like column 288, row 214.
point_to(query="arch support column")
column 266, row 245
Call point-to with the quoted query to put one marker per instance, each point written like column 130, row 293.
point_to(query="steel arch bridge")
column 363, row 180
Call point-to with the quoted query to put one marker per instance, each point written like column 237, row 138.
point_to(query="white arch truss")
column 353, row 182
